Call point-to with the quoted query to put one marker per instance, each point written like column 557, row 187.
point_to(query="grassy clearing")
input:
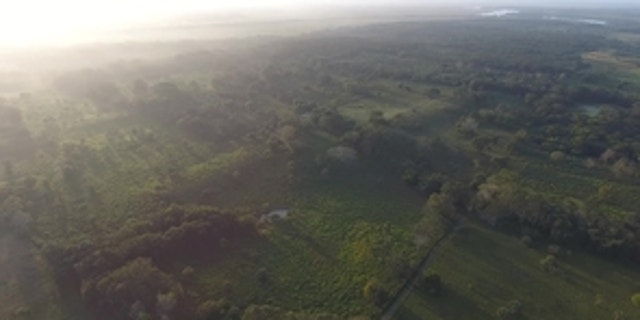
column 243, row 178
column 484, row 270
column 624, row 68
column 610, row 58
column 395, row 98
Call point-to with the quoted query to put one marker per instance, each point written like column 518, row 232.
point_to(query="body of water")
column 499, row 13
column 590, row 110
column 585, row 21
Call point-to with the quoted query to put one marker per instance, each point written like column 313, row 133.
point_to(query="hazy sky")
column 33, row 21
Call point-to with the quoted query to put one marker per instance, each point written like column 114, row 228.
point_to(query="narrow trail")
column 427, row 261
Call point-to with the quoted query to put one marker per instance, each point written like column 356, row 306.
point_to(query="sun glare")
column 45, row 22
column 32, row 22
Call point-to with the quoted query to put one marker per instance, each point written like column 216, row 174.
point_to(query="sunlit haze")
column 28, row 22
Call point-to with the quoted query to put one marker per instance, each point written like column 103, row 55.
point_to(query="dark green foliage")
column 527, row 241
column 411, row 177
column 113, row 276
column 263, row 312
column 227, row 288
column 22, row 312
column 433, row 93
column 511, row 311
column 619, row 315
column 376, row 118
column 187, row 272
column 375, row 292
column 144, row 316
column 139, row 280
column 332, row 121
column 554, row 250
column 441, row 204
column 500, row 200
column 400, row 268
column 434, row 223
column 262, row 276
column 385, row 144
column 176, row 233
column 635, row 299
column 430, row 184
column 214, row 310
column 16, row 141
column 95, row 85
column 432, row 284
column 267, row 312
column 550, row 264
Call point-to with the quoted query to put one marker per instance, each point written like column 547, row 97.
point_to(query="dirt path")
column 406, row 289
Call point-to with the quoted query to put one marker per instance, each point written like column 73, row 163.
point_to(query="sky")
column 24, row 22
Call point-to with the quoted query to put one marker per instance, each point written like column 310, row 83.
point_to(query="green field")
column 483, row 270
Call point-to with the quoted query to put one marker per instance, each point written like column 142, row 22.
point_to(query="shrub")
column 188, row 272
column 211, row 309
column 510, row 311
column 554, row 250
column 527, row 241
column 433, row 93
column 341, row 154
column 635, row 299
column 143, row 316
column 619, row 315
column 557, row 156
column 262, row 276
column 467, row 126
column 430, row 184
column 599, row 302
column 139, row 280
column 259, row 312
column 549, row 264
column 165, row 303
column 22, row 312
column 410, row 177
column 400, row 268
column 375, row 293
column 624, row 167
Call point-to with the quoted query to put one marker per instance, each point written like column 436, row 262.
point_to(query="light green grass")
column 484, row 270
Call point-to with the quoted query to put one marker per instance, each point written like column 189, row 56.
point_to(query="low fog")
column 37, row 45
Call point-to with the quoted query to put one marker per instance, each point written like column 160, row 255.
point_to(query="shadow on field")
column 294, row 231
column 451, row 305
